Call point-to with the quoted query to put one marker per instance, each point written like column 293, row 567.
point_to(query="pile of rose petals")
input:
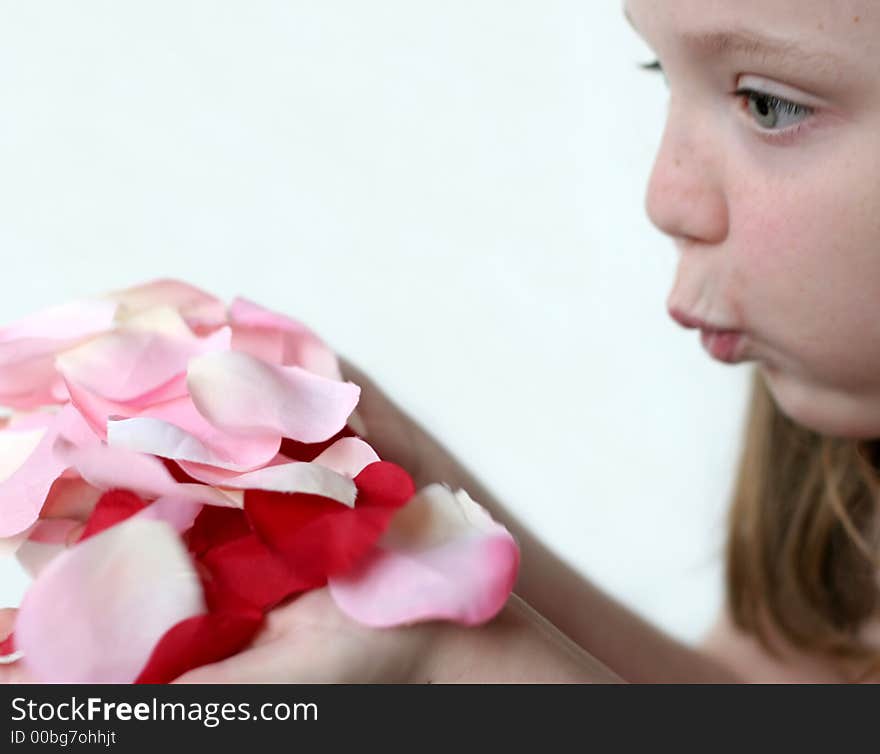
column 172, row 468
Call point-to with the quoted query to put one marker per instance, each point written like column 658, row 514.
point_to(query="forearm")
column 618, row 637
column 518, row 646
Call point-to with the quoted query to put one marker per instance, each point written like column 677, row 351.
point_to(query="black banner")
column 131, row 718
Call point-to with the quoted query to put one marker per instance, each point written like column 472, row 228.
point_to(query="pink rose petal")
column 71, row 498
column 126, row 364
column 295, row 476
column 33, row 557
column 238, row 392
column 28, row 347
column 278, row 339
column 173, row 429
column 348, row 455
column 68, row 321
column 178, row 512
column 106, row 467
column 27, row 381
column 46, row 540
column 10, row 545
column 177, row 430
column 199, row 308
column 24, row 491
column 98, row 609
column 16, row 446
column 442, row 557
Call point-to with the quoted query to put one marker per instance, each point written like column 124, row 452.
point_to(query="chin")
column 829, row 412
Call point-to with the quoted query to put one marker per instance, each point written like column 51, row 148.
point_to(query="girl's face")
column 768, row 181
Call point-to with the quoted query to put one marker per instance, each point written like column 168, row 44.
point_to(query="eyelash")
column 777, row 137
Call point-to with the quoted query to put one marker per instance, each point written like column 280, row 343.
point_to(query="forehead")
column 828, row 23
column 835, row 41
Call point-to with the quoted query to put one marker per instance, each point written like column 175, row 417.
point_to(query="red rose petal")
column 214, row 526
column 249, row 570
column 200, row 640
column 7, row 646
column 309, row 451
column 178, row 473
column 318, row 537
column 113, row 507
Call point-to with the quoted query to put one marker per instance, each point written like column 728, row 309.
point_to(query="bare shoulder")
column 743, row 654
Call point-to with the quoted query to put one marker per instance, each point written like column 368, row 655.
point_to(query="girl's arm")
column 518, row 646
column 632, row 647
column 615, row 635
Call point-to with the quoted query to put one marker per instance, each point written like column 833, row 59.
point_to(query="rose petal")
column 215, row 525
column 28, row 347
column 55, row 531
column 10, row 545
column 309, row 451
column 198, row 308
column 316, row 536
column 71, row 498
column 236, row 391
column 313, row 478
column 15, row 448
column 249, row 570
column 348, row 456
column 23, row 492
column 68, row 321
column 198, row 641
column 162, row 319
column 278, row 339
column 97, row 610
column 7, row 647
column 106, row 467
column 175, row 429
column 28, row 381
column 442, row 557
column 174, row 389
column 113, row 507
column 126, row 364
column 46, row 540
column 33, row 557
column 180, row 513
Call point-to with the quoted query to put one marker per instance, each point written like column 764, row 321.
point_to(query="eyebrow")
column 727, row 43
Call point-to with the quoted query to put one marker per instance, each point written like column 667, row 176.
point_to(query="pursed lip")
column 724, row 346
column 695, row 323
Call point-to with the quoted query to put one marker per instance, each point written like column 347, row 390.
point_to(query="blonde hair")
column 802, row 541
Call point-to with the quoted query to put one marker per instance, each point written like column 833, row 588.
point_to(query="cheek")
column 806, row 272
column 777, row 256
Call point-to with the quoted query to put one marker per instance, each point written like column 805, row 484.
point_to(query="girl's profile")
column 766, row 184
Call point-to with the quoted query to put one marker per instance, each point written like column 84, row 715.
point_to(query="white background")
column 450, row 193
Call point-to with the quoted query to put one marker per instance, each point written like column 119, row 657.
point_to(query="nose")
column 684, row 198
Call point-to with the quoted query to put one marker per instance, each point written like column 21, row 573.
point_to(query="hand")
column 309, row 640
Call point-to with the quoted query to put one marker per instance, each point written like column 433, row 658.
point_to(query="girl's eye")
column 770, row 110
column 780, row 118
